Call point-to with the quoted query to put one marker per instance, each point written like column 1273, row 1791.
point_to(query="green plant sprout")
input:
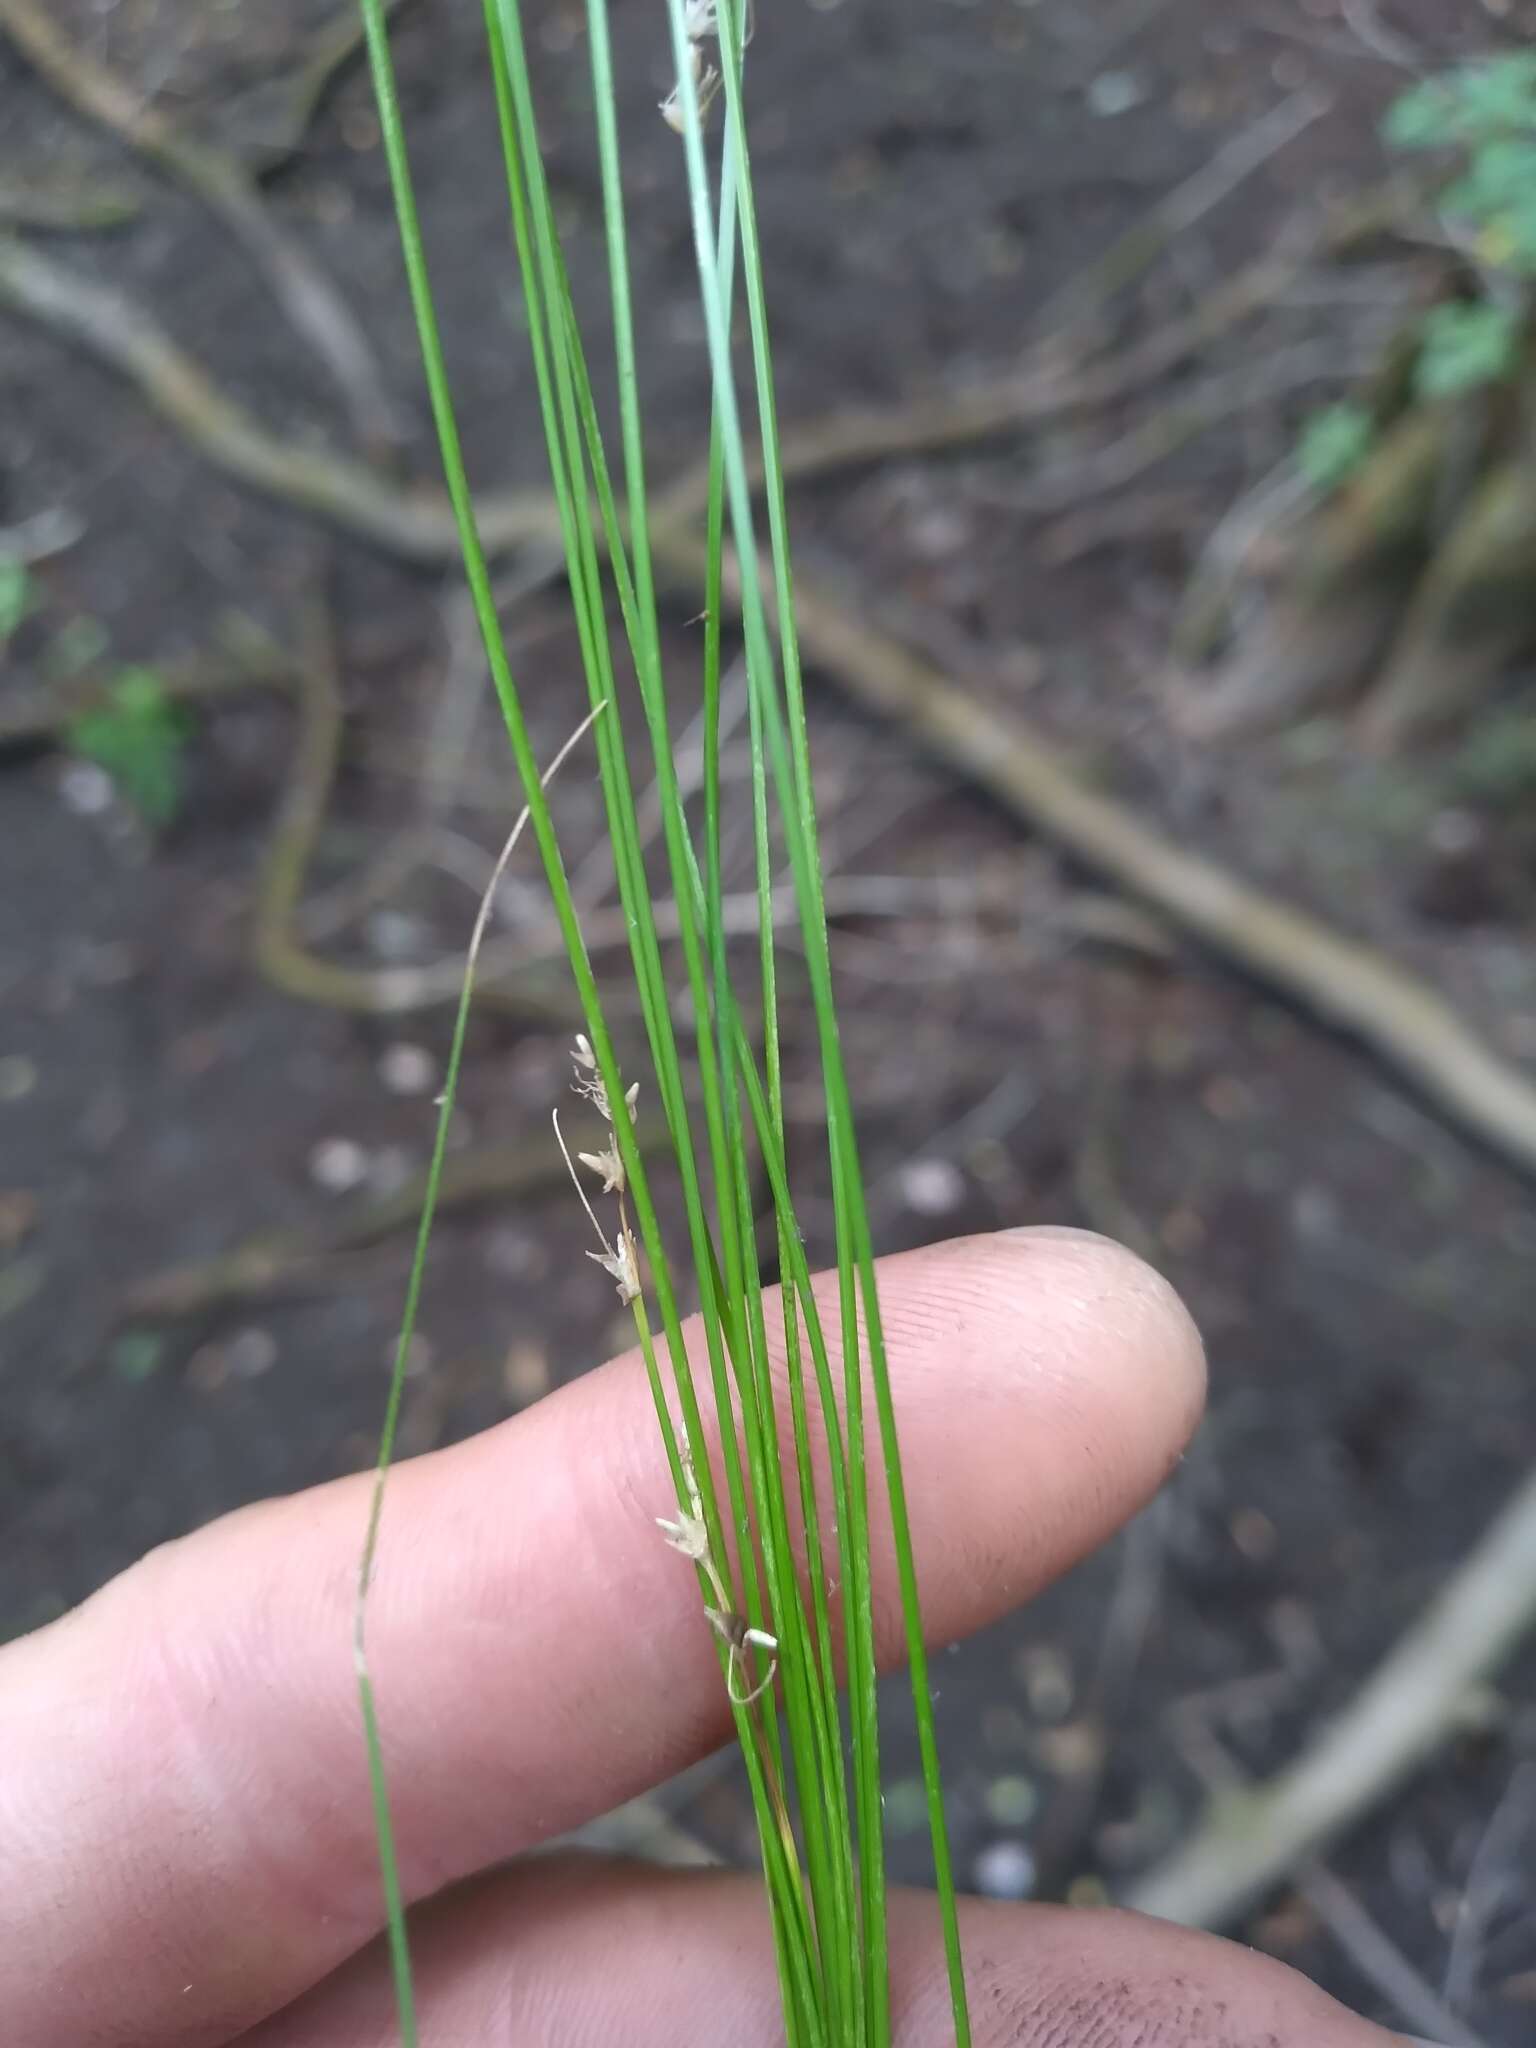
column 780, row 1544
column 1333, row 444
column 1464, row 344
column 1481, row 118
column 139, row 737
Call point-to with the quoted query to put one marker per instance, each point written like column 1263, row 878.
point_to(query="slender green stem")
column 766, row 1528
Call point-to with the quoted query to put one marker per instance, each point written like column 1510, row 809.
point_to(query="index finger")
column 188, row 1834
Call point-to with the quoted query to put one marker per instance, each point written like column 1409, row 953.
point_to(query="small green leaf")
column 1485, row 114
column 1463, row 346
column 1334, row 442
column 1424, row 118
column 1500, row 176
column 17, row 595
column 1473, row 105
column 1498, row 95
column 139, row 737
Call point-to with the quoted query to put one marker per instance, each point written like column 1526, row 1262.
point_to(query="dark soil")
column 930, row 174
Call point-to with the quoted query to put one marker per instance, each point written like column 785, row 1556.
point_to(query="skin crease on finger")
column 184, row 1816
column 576, row 1952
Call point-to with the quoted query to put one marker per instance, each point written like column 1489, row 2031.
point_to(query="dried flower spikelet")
column 704, row 82
column 686, row 1535
column 586, row 1078
column 586, row 1081
column 608, row 1166
column 622, row 1267
column 671, row 108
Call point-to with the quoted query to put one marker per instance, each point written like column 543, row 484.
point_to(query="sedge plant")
column 777, row 1442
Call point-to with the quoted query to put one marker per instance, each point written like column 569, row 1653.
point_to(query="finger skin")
column 184, row 1819
column 576, row 1952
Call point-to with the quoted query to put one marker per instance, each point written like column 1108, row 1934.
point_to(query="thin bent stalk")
column 399, row 1954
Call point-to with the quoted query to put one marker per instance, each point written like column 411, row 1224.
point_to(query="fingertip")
column 1056, row 1322
column 1044, row 1383
column 1120, row 1296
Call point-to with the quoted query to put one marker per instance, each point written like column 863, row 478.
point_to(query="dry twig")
column 1336, row 977
column 1380, row 1961
column 1251, row 1838
column 309, row 298
column 355, row 496
column 1134, row 252
column 280, row 954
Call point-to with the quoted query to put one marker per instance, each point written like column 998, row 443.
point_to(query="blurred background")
column 1160, row 431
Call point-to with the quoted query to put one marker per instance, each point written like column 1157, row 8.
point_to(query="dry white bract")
column 689, row 1536
column 700, row 22
column 588, row 1083
column 620, row 1260
column 608, row 1165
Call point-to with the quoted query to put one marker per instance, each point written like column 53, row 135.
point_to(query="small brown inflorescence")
column 700, row 22
column 619, row 1259
column 688, row 1536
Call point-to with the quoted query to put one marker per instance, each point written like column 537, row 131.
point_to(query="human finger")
column 188, row 1834
column 582, row 1952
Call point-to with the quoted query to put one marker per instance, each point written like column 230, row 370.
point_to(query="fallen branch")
column 1134, row 252
column 280, row 955
column 1045, row 389
column 1097, row 472
column 308, row 297
column 418, row 525
column 1251, row 1838
column 1380, row 1961
column 351, row 495
column 1338, row 978
column 1344, row 982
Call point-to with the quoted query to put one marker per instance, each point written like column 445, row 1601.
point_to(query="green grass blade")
column 826, row 1883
